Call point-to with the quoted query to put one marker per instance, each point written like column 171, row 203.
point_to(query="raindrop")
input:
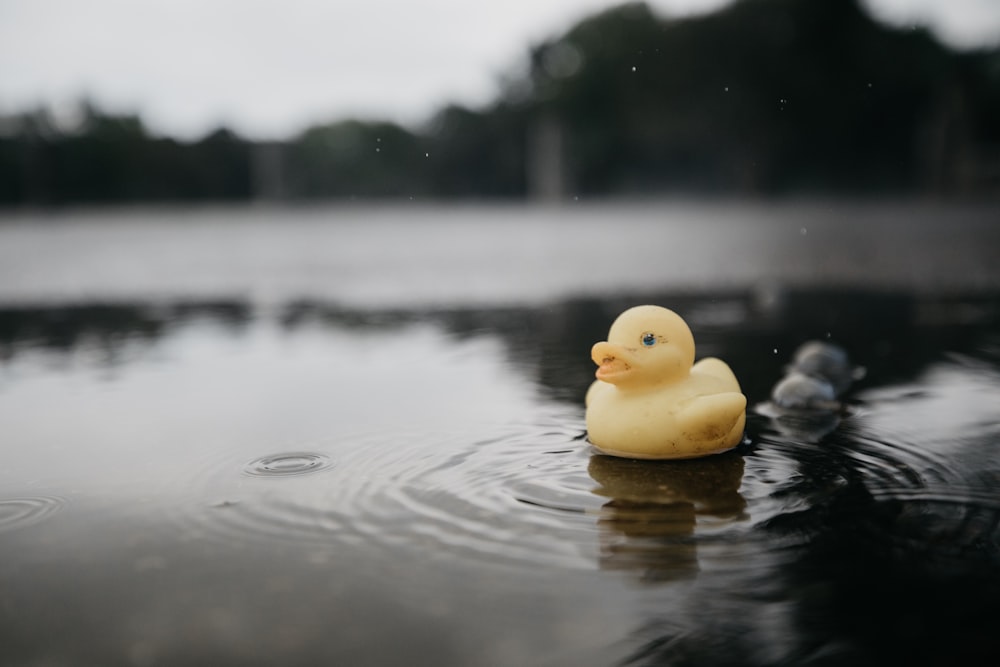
column 633, row 68
column 291, row 463
column 803, row 231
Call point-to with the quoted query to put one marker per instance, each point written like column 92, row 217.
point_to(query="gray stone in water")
column 798, row 391
column 825, row 362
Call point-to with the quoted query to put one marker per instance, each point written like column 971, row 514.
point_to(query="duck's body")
column 651, row 402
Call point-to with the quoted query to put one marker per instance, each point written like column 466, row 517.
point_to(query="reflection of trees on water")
column 843, row 574
column 893, row 335
column 106, row 327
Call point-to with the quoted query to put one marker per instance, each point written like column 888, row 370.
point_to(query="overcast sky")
column 268, row 68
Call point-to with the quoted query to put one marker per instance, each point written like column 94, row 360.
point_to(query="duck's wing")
column 712, row 417
column 718, row 369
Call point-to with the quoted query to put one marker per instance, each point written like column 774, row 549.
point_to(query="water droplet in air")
column 633, row 68
column 803, row 231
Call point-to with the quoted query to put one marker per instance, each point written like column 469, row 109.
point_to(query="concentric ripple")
column 289, row 463
column 511, row 494
column 915, row 468
column 522, row 494
column 25, row 511
column 536, row 494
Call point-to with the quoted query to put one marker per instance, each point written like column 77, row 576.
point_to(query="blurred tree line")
column 765, row 97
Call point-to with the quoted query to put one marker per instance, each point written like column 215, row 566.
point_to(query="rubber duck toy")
column 651, row 401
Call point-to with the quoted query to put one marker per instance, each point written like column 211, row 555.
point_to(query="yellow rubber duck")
column 651, row 401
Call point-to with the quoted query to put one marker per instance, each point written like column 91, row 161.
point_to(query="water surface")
column 255, row 466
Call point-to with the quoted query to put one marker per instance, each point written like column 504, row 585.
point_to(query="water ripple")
column 290, row 463
column 913, row 469
column 497, row 497
column 511, row 494
column 27, row 510
column 536, row 494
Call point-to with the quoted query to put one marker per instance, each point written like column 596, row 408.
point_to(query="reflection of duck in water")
column 650, row 402
column 654, row 509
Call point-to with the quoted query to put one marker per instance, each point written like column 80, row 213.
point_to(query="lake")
column 354, row 434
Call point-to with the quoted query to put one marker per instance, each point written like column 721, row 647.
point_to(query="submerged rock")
column 797, row 391
column 826, row 362
column 806, row 403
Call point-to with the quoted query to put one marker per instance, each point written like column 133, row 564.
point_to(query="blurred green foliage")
column 766, row 97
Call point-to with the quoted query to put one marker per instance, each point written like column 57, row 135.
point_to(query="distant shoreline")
column 392, row 256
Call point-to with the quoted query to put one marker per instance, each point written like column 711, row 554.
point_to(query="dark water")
column 202, row 479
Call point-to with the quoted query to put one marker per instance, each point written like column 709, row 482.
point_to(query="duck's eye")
column 648, row 339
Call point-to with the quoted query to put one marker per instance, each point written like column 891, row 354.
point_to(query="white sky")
column 268, row 68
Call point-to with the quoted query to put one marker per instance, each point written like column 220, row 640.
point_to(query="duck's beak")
column 614, row 362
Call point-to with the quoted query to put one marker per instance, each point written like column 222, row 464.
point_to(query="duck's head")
column 646, row 345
